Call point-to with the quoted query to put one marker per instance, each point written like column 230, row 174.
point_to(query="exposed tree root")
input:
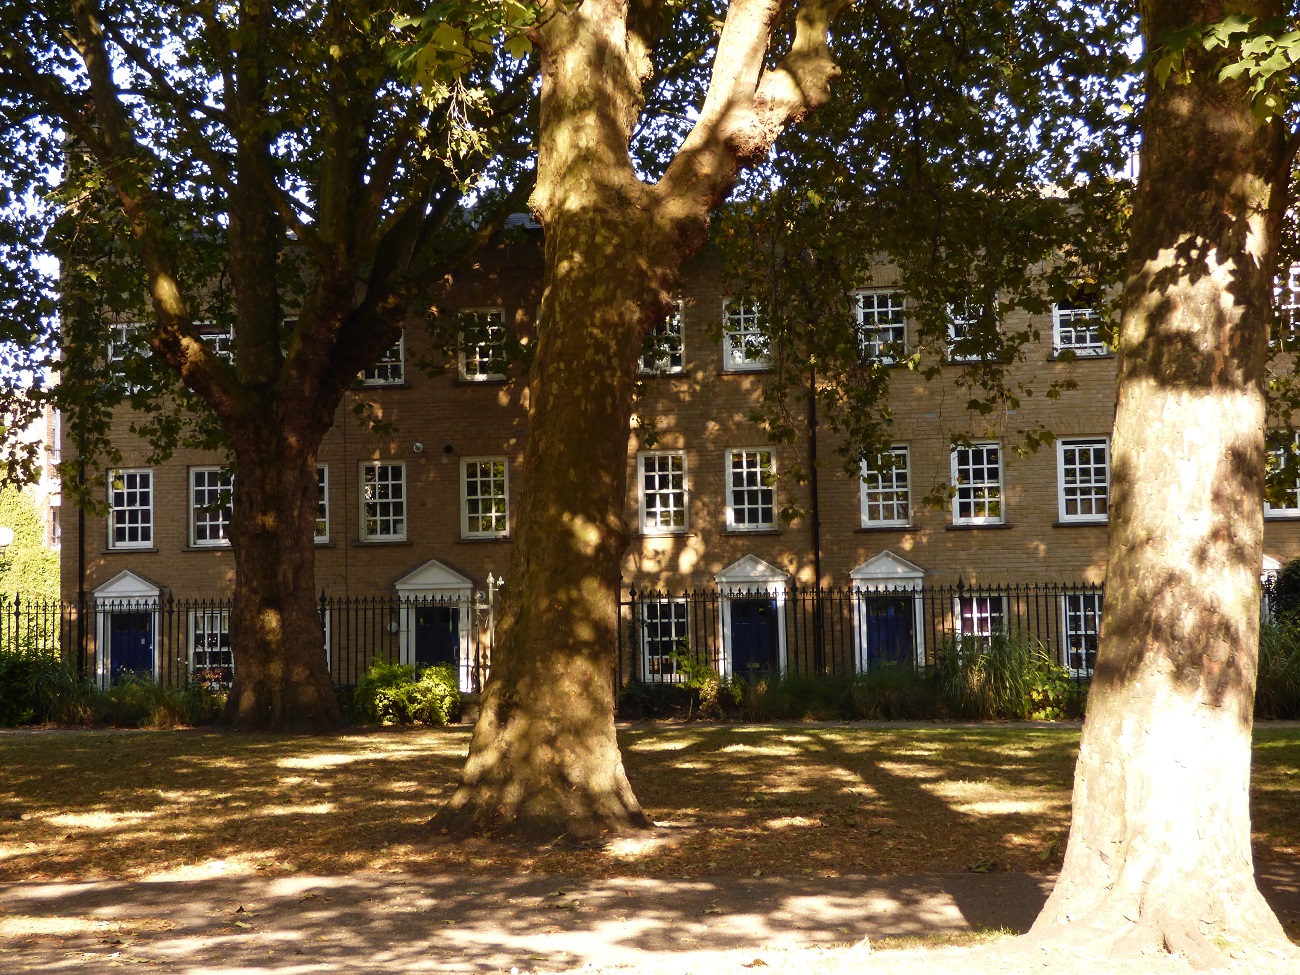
column 542, row 774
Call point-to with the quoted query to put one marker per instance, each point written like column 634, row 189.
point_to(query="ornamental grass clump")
column 1003, row 676
column 30, row 684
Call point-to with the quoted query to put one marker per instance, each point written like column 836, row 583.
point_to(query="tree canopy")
column 983, row 151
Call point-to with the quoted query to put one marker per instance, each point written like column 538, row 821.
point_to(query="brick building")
column 422, row 517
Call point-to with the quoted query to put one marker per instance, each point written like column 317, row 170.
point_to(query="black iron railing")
column 177, row 640
column 661, row 635
column 837, row 631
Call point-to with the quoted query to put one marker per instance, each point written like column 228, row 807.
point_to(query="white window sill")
column 1080, row 522
column 961, row 526
column 891, row 526
column 503, row 537
column 1081, row 354
column 126, row 549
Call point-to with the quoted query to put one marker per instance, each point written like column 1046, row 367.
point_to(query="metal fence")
column 829, row 631
column 178, row 640
column 661, row 635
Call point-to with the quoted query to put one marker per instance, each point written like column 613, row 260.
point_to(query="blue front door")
column 130, row 642
column 437, row 635
column 755, row 639
column 890, row 624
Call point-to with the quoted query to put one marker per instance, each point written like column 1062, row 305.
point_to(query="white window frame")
column 1286, row 511
column 219, row 340
column 1081, row 487
column 1068, row 323
column 145, row 526
column 200, row 625
column 880, row 333
column 390, row 368
column 474, row 366
column 745, row 346
column 984, row 620
column 123, row 342
column 765, row 468
column 222, row 525
column 653, row 525
column 395, row 516
column 1080, row 624
column 960, row 319
column 471, row 524
column 678, row 626
column 979, row 494
column 322, row 505
column 664, row 352
column 881, row 490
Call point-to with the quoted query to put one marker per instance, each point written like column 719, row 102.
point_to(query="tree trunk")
column 544, row 760
column 1159, row 851
column 282, row 681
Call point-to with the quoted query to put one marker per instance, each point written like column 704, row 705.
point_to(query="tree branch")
column 746, row 108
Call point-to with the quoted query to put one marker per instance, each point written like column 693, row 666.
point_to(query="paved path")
column 391, row 923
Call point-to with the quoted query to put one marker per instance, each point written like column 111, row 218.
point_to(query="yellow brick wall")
column 703, row 411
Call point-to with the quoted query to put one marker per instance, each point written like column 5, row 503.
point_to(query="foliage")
column 1277, row 687
column 891, row 694
column 713, row 696
column 1264, row 52
column 390, row 694
column 1004, row 675
column 37, row 687
column 30, row 685
column 142, row 702
column 28, row 566
column 977, row 208
column 1284, row 590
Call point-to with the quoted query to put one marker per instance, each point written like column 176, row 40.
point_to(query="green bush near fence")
column 1005, row 676
column 1277, row 690
column 391, row 694
column 36, row 687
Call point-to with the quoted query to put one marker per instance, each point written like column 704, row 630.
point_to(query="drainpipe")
column 819, row 622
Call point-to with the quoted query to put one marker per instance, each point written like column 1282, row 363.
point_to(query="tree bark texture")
column 1159, row 851
column 281, row 678
column 544, row 760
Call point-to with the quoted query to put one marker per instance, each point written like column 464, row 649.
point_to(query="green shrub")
column 891, row 694
column 1005, row 675
column 1277, row 691
column 712, row 697
column 30, row 684
column 391, row 694
column 138, row 701
column 795, row 697
column 1284, row 593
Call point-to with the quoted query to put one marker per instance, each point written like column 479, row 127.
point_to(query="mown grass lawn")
column 736, row 799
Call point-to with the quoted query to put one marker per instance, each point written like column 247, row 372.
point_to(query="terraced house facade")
column 417, row 523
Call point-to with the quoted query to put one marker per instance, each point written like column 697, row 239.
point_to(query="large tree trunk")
column 281, row 681
column 1159, row 851
column 544, row 761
